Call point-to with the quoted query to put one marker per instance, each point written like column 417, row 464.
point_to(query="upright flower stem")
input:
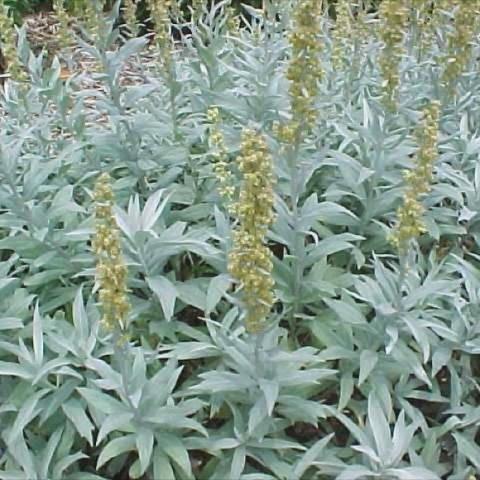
column 304, row 72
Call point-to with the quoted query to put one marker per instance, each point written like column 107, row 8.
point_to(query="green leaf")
column 37, row 336
column 355, row 472
column 101, row 401
column 217, row 288
column 166, row 292
column 412, row 473
column 76, row 414
column 10, row 323
column 115, row 448
column 175, row 449
column 368, row 360
column 346, row 312
column 161, row 466
column 379, row 425
column 238, row 463
column 309, row 457
column 469, row 449
column 144, row 442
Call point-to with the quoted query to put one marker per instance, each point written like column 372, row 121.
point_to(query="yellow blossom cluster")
column 250, row 261
column 342, row 33
column 459, row 43
column 305, row 70
column 160, row 14
column 198, row 7
column 130, row 14
column 92, row 14
column 418, row 180
column 111, row 268
column 361, row 29
column 8, row 45
column 219, row 152
column 233, row 20
column 394, row 18
column 64, row 33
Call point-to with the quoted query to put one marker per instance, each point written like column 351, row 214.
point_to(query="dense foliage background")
column 367, row 364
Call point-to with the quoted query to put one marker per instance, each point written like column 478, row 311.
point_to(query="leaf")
column 10, row 323
column 379, row 425
column 270, row 389
column 309, row 457
column 238, row 463
column 115, row 448
column 161, row 466
column 26, row 414
column 173, row 446
column 14, row 370
column 153, row 209
column 66, row 462
column 76, row 414
column 347, row 312
column 37, row 336
column 144, row 442
column 101, row 401
column 355, row 472
column 469, row 449
column 49, row 451
column 412, row 473
column 217, row 288
column 347, row 387
column 368, row 360
column 80, row 319
column 118, row 421
column 166, row 292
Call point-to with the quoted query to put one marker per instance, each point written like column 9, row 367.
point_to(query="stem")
column 121, row 353
column 298, row 247
column 401, row 280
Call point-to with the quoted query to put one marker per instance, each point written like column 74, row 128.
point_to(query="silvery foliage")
column 370, row 366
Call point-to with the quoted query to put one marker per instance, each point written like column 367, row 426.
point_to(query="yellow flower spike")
column 111, row 269
column 221, row 165
column 64, row 23
column 341, row 34
column 250, row 261
column 304, row 69
column 160, row 14
column 130, row 13
column 8, row 44
column 459, row 44
column 410, row 215
column 233, row 20
column 394, row 17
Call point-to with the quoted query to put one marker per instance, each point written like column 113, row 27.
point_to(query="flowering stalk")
column 111, row 269
column 394, row 16
column 92, row 14
column 305, row 70
column 459, row 46
column 220, row 156
column 250, row 260
column 130, row 13
column 341, row 34
column 64, row 23
column 418, row 181
column 9, row 46
column 233, row 20
column 160, row 13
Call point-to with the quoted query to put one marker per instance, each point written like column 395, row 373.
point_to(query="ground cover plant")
column 244, row 245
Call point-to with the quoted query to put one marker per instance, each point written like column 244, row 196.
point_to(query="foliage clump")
column 279, row 328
